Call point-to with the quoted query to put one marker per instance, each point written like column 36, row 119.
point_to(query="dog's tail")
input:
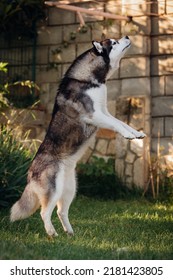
column 25, row 206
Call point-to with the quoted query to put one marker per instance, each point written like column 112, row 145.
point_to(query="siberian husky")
column 80, row 108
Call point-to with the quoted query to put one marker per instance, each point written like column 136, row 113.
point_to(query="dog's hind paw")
column 70, row 232
column 52, row 233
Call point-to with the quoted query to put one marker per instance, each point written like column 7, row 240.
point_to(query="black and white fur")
column 80, row 108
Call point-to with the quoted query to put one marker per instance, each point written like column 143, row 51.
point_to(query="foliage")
column 3, row 87
column 14, row 163
column 19, row 94
column 22, row 94
column 18, row 18
column 125, row 229
column 97, row 167
column 165, row 188
column 14, row 157
column 160, row 183
column 3, row 67
column 98, row 179
column 70, row 38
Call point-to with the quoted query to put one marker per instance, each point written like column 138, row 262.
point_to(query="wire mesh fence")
column 20, row 55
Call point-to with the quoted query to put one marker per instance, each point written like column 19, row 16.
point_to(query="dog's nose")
column 126, row 37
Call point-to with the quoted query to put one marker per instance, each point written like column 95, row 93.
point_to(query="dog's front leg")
column 102, row 120
column 138, row 134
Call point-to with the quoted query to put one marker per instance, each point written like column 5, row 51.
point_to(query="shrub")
column 18, row 94
column 3, row 87
column 18, row 18
column 165, row 189
column 99, row 179
column 14, row 162
column 160, row 183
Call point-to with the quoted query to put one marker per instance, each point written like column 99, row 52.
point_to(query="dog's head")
column 112, row 50
column 97, row 64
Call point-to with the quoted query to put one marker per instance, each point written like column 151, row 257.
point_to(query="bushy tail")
column 25, row 206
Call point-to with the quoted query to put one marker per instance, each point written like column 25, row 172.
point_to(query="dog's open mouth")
column 127, row 47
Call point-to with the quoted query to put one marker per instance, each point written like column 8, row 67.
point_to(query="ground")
column 123, row 229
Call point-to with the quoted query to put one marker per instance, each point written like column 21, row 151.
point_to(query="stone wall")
column 162, row 82
column 139, row 93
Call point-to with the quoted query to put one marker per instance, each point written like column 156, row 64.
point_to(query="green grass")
column 129, row 229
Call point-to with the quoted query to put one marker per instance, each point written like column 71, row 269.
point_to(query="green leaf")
column 3, row 66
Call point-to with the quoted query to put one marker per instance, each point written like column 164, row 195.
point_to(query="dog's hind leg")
column 64, row 202
column 49, row 201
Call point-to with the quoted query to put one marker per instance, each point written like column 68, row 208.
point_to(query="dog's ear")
column 97, row 46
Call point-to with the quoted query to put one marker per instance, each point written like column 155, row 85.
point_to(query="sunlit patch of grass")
column 103, row 230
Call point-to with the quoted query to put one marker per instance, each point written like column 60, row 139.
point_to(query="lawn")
column 131, row 229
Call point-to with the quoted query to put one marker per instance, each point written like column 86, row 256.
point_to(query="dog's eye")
column 115, row 42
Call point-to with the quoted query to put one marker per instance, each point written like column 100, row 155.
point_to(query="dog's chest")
column 98, row 96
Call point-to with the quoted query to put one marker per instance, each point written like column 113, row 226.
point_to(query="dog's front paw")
column 140, row 135
column 136, row 135
column 129, row 136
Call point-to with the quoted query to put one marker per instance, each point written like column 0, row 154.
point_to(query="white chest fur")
column 99, row 97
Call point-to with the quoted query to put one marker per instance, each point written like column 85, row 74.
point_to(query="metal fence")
column 21, row 58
